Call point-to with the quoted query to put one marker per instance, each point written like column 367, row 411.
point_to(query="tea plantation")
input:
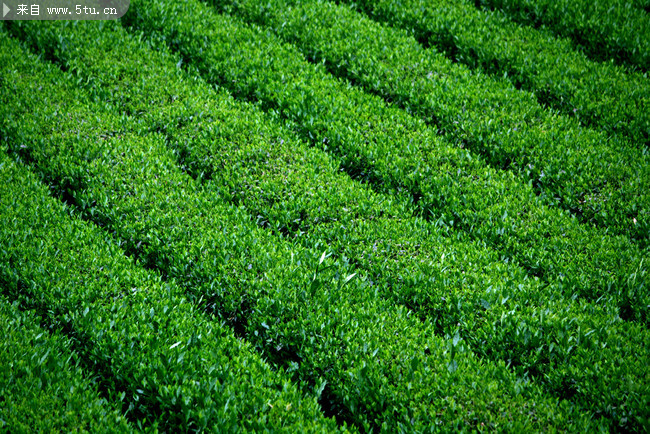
column 322, row 216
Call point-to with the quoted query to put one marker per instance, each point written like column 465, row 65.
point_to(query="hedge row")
column 532, row 326
column 297, row 191
column 459, row 286
column 397, row 152
column 42, row 383
column 599, row 95
column 601, row 180
column 372, row 363
column 604, row 30
column 166, row 362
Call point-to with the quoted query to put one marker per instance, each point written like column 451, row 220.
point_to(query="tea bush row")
column 398, row 153
column 372, row 363
column 296, row 191
column 600, row 95
column 166, row 361
column 42, row 382
column 612, row 29
column 602, row 180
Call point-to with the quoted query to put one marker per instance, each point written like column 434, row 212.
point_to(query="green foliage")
column 398, row 153
column 609, row 29
column 161, row 358
column 245, row 220
column 371, row 363
column 298, row 192
column 43, row 386
column 600, row 95
column 603, row 181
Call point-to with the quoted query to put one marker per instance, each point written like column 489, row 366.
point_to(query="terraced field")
column 313, row 216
